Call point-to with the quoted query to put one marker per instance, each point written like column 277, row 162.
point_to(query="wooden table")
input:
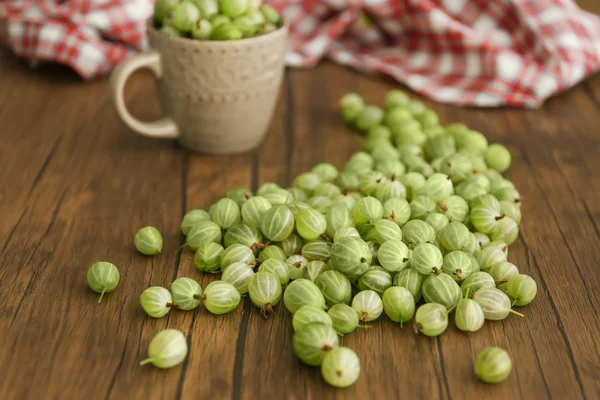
column 76, row 184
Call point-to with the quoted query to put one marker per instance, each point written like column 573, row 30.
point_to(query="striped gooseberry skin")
column 475, row 281
column 221, row 297
column 338, row 216
column 278, row 196
column 411, row 280
column 473, row 245
column 313, row 341
column 351, row 256
column 345, row 231
column 431, row 319
column 237, row 253
column 494, row 302
column 292, row 245
column 208, row 257
column 376, row 279
column 458, row 265
column 397, row 210
column 359, row 163
column 521, row 289
column 454, row 236
column 427, row 259
column 507, row 231
column 302, row 292
column 310, row 224
column 489, row 256
column 272, row 251
column 343, row 317
column 103, row 277
column 502, row 272
column 254, row 209
column 367, row 209
column 167, row 349
column 368, row 305
column 298, row 194
column 266, row 188
column 186, row 293
column 296, row 265
column 441, row 289
column 335, row 287
column 327, row 189
column 340, row 367
column 455, row 208
column 325, row 171
column 277, row 223
column 314, row 269
column 393, row 255
column 276, row 267
column 242, row 234
column 437, row 221
column 225, row 213
column 307, row 181
column 156, row 301
column 387, row 230
column 437, row 186
column 474, row 263
column 310, row 314
column 239, row 275
column 398, row 304
column 421, row 207
column 415, row 232
column 204, row 232
column 239, row 194
column 317, row 250
column 265, row 290
column 485, row 217
column 468, row 315
column 193, row 218
column 493, row 365
column 389, row 189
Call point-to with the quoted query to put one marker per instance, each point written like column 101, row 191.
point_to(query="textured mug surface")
column 218, row 97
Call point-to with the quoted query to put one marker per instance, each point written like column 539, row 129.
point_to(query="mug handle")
column 162, row 128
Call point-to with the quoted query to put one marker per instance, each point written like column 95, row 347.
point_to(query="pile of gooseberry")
column 417, row 227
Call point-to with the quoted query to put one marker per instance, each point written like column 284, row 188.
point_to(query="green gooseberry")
column 272, row 251
column 237, row 253
column 351, row 105
column 310, row 314
column 157, row 301
column 421, row 207
column 335, row 287
column 454, row 207
column 270, row 14
column 376, row 279
column 437, row 221
column 225, row 213
column 369, row 117
column 501, row 272
column 384, row 150
column 511, row 209
column 397, row 210
column 497, row 157
column 431, row 319
column 276, row 267
column 193, row 218
column 278, row 197
column 469, row 190
column 208, row 257
column 472, row 142
column 313, row 269
column 367, row 209
column 440, row 146
column 393, row 255
column 265, row 291
column 267, row 187
column 239, row 194
column 416, row 232
column 327, row 189
column 186, row 293
column 368, row 305
column 495, row 303
column 338, row 216
column 343, row 317
column 349, row 180
column 340, row 367
column 386, row 230
column 493, row 365
column 413, row 181
column 506, row 230
column 167, row 349
column 485, row 218
column 457, row 166
column 296, row 265
column 148, row 241
column 220, row 297
column 468, row 315
column 163, row 8
column 246, row 25
column 310, row 224
column 458, row 265
column 360, row 163
column 411, row 280
column 395, row 98
column 243, row 234
column 313, row 341
column 171, row 30
column 427, row 259
column 184, row 16
column 316, row 250
column 325, row 171
column 454, row 236
column 307, row 181
column 239, row 275
column 438, row 186
column 351, row 256
column 489, row 256
column 390, row 168
column 441, row 289
column 254, row 209
column 521, row 289
column 277, row 223
column 475, row 281
column 202, row 233
column 234, row 8
column 302, row 292
column 207, row 8
column 298, row 195
column 320, row 203
column 398, row 304
column 292, row 245
column 103, row 277
column 226, row 31
column 217, row 20
column 370, row 182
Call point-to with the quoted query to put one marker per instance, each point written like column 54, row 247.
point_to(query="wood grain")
column 76, row 185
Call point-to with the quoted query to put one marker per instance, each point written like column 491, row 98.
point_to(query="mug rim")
column 257, row 39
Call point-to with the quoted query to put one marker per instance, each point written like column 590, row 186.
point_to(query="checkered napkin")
column 483, row 53
column 90, row 36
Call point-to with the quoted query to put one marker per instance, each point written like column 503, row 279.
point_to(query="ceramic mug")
column 217, row 97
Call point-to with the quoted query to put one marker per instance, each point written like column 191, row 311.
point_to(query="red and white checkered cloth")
column 90, row 36
column 483, row 53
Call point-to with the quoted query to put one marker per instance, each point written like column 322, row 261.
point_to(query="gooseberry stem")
column 498, row 218
column 197, row 296
column 101, row 295
column 517, row 313
column 147, row 361
column 267, row 310
column 172, row 305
